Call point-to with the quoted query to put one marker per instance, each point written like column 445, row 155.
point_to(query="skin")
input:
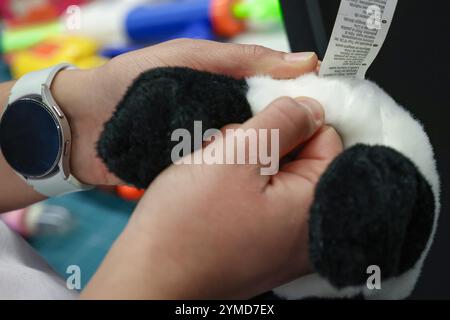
column 200, row 231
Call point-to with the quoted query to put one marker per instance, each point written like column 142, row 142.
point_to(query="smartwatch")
column 35, row 137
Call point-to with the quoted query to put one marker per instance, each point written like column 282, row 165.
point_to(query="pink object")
column 16, row 221
column 5, row 12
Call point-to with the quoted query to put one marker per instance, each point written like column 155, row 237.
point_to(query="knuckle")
column 285, row 101
column 255, row 51
column 292, row 115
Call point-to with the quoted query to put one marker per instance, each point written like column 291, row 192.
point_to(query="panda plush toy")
column 377, row 204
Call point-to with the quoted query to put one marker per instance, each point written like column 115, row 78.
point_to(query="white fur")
column 362, row 113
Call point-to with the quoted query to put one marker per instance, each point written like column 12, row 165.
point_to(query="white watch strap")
column 57, row 185
column 31, row 84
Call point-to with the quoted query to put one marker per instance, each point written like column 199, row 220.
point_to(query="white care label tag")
column 358, row 35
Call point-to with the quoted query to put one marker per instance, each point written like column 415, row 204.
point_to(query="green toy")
column 23, row 38
column 258, row 10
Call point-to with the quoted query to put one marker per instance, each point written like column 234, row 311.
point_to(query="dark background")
column 413, row 66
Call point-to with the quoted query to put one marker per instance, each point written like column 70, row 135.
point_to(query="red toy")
column 25, row 12
column 129, row 193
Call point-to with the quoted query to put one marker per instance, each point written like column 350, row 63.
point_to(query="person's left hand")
column 89, row 98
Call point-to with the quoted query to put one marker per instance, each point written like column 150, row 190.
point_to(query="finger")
column 304, row 173
column 230, row 126
column 210, row 140
column 236, row 60
column 319, row 64
column 321, row 149
column 295, row 119
column 325, row 145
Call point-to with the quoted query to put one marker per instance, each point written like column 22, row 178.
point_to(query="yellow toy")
column 80, row 51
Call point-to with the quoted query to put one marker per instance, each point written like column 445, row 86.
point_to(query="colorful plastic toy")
column 80, row 51
column 23, row 38
column 258, row 10
column 129, row 193
column 121, row 25
column 137, row 21
column 39, row 220
column 20, row 12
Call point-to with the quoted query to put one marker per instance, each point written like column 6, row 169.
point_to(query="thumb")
column 296, row 119
column 236, row 60
column 277, row 64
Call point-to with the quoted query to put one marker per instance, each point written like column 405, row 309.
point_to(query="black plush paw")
column 372, row 207
column 136, row 143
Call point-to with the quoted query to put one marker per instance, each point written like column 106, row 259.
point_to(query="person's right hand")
column 224, row 231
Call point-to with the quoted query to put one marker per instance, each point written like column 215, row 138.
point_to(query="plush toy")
column 376, row 205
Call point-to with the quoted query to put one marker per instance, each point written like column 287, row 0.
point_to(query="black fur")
column 372, row 207
column 136, row 143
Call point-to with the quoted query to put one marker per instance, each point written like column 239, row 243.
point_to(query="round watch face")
column 30, row 138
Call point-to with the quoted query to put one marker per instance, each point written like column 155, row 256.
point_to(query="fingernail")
column 299, row 56
column 314, row 107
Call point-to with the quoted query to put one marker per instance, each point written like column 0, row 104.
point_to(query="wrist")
column 73, row 92
column 142, row 268
column 69, row 89
column 5, row 89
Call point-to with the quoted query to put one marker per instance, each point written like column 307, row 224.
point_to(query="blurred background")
column 78, row 229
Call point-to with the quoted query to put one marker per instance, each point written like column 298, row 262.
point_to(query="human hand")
column 224, row 231
column 89, row 98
